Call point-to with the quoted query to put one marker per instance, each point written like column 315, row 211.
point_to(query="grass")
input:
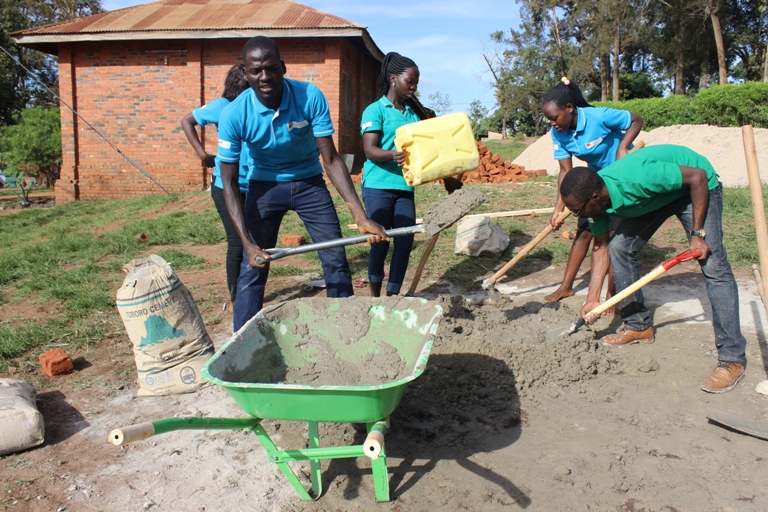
column 69, row 258
column 508, row 150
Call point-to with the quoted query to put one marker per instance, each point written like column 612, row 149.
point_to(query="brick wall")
column 136, row 92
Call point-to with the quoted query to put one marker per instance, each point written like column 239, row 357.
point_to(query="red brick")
column 293, row 240
column 56, row 362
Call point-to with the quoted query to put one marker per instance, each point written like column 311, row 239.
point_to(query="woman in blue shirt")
column 388, row 199
column 597, row 135
column 234, row 84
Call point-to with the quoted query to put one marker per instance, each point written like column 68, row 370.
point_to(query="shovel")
column 629, row 290
column 440, row 215
column 488, row 283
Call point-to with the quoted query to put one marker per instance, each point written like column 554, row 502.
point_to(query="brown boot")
column 724, row 377
column 627, row 337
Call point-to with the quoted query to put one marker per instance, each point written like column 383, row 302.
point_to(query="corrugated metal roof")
column 170, row 15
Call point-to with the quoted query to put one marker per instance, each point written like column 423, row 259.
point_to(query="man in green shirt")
column 644, row 189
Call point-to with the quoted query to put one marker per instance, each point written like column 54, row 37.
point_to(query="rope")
column 114, row 147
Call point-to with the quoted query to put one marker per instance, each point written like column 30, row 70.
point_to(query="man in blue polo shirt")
column 284, row 125
column 644, row 189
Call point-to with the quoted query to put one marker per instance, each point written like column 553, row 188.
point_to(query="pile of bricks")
column 494, row 169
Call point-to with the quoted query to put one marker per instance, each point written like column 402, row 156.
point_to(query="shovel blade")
column 559, row 333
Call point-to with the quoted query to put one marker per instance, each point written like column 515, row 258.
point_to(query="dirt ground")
column 502, row 419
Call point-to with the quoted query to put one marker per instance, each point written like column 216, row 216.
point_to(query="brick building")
column 134, row 73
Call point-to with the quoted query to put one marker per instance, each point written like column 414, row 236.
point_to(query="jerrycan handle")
column 403, row 140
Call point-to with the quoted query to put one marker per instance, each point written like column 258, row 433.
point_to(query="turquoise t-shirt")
column 281, row 142
column 209, row 114
column 596, row 138
column 648, row 179
column 382, row 116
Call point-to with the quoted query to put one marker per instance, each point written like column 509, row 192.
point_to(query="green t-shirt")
column 647, row 179
column 382, row 116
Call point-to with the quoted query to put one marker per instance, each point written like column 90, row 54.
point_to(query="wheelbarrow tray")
column 250, row 364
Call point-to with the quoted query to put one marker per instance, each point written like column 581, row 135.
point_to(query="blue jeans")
column 266, row 204
column 391, row 209
column 632, row 234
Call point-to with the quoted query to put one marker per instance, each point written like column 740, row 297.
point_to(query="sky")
column 445, row 38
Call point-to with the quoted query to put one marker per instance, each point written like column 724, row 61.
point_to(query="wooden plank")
column 493, row 215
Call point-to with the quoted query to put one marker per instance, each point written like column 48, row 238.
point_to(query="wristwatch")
column 699, row 233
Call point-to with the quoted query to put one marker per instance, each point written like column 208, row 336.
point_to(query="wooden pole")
column 758, row 206
column 514, row 213
column 422, row 262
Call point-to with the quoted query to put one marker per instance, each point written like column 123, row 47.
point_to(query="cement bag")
column 475, row 235
column 21, row 424
column 170, row 343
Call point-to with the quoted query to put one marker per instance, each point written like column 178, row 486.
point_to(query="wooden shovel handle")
column 650, row 276
column 525, row 250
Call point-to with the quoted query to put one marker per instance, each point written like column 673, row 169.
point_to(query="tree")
column 637, row 86
column 19, row 89
column 33, row 145
column 712, row 8
column 746, row 28
column 439, row 103
column 477, row 113
column 526, row 63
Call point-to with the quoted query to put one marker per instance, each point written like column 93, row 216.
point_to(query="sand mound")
column 722, row 146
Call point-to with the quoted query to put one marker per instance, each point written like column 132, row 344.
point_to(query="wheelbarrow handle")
column 276, row 254
column 132, row 433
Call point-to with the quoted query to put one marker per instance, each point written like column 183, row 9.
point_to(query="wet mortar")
column 444, row 213
column 514, row 332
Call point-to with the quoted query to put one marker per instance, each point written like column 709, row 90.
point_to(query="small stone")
column 762, row 387
column 147, row 505
column 651, row 366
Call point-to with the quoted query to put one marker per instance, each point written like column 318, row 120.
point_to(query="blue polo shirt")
column 281, row 143
column 596, row 137
column 648, row 179
column 209, row 114
column 382, row 116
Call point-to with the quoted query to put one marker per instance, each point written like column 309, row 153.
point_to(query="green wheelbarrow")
column 309, row 337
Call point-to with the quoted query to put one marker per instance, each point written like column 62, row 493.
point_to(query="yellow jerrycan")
column 437, row 148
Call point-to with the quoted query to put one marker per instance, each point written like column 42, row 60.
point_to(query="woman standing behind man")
column 234, row 84
column 597, row 135
column 388, row 199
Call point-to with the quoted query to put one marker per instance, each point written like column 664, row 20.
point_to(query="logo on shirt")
column 366, row 125
column 297, row 124
column 556, row 146
column 590, row 145
column 225, row 144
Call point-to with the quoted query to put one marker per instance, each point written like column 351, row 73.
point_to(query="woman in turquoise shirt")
column 597, row 135
column 234, row 84
column 388, row 199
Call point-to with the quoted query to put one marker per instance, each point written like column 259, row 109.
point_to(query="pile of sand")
column 722, row 146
